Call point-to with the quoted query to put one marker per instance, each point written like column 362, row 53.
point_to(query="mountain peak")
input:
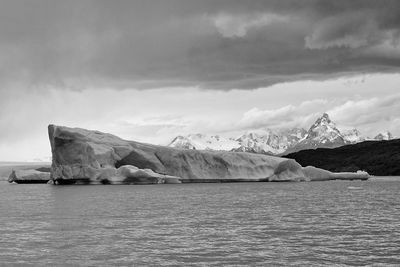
column 384, row 136
column 323, row 133
column 324, row 119
column 326, row 116
column 182, row 142
column 322, row 126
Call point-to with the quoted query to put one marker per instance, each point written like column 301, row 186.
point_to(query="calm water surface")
column 248, row 224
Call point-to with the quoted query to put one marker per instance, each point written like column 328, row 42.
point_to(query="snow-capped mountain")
column 384, row 136
column 270, row 141
column 182, row 142
column 204, row 142
column 265, row 141
column 323, row 133
column 352, row 136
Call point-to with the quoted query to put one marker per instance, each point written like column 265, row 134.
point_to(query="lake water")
column 240, row 224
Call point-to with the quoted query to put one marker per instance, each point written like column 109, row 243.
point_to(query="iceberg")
column 81, row 156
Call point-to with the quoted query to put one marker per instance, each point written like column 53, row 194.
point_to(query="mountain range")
column 322, row 134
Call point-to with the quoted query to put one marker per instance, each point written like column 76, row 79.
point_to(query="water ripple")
column 257, row 224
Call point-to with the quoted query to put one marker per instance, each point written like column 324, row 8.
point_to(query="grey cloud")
column 288, row 116
column 370, row 115
column 147, row 44
column 237, row 26
column 348, row 30
column 368, row 112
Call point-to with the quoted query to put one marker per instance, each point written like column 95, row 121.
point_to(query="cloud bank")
column 158, row 115
column 215, row 44
column 150, row 70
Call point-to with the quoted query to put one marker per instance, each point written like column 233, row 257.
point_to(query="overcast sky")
column 153, row 69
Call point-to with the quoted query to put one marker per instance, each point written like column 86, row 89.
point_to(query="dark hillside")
column 375, row 157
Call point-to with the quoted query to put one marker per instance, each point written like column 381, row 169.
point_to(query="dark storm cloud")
column 212, row 44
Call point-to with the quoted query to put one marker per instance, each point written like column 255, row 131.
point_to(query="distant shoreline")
column 19, row 163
